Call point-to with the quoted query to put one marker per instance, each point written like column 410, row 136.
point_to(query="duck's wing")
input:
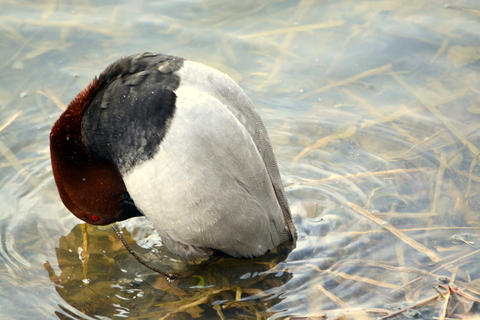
column 234, row 98
column 134, row 92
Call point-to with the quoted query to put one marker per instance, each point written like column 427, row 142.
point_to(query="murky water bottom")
column 372, row 108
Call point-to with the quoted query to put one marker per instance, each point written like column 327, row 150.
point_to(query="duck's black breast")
column 129, row 115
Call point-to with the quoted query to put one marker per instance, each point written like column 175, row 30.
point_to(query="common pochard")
column 180, row 143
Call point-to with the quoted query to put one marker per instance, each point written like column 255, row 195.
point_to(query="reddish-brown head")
column 90, row 187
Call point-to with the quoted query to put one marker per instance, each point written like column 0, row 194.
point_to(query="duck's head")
column 110, row 127
column 89, row 186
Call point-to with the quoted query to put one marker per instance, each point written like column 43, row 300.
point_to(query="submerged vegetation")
column 373, row 111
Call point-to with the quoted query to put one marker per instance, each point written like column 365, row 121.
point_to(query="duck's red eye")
column 94, row 217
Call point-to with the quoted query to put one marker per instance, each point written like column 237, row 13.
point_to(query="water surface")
column 373, row 111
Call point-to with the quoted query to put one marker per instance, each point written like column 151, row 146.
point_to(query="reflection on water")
column 98, row 277
column 372, row 108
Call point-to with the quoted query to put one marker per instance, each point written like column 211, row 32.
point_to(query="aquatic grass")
column 380, row 156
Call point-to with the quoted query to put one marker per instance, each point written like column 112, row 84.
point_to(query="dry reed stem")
column 452, row 263
column 302, row 9
column 410, row 215
column 356, row 31
column 354, row 277
column 342, row 314
column 194, row 301
column 348, row 233
column 279, row 60
column 362, row 175
column 373, row 72
column 9, row 164
column 464, row 9
column 307, row 27
column 466, row 295
column 424, row 141
column 446, row 266
column 400, row 254
column 11, row 33
column 438, row 183
column 75, row 25
column 349, row 131
column 10, row 120
column 396, row 269
column 13, row 161
column 432, row 108
column 411, row 242
column 85, row 254
column 49, row 94
column 441, row 50
column 381, row 117
column 446, row 297
column 470, row 174
column 333, row 297
column 420, row 303
column 19, row 51
column 238, row 293
column 46, row 47
column 219, row 310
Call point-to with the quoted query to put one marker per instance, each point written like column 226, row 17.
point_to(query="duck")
column 180, row 143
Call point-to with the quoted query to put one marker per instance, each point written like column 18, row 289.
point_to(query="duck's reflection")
column 99, row 277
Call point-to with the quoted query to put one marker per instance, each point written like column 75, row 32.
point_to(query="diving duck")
column 179, row 143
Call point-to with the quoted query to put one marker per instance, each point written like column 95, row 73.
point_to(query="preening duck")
column 180, row 143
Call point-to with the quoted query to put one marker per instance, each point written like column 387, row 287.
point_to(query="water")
column 372, row 109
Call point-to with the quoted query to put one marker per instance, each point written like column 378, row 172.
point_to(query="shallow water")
column 373, row 112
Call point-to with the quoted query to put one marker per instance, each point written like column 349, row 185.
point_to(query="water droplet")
column 246, row 276
column 79, row 252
